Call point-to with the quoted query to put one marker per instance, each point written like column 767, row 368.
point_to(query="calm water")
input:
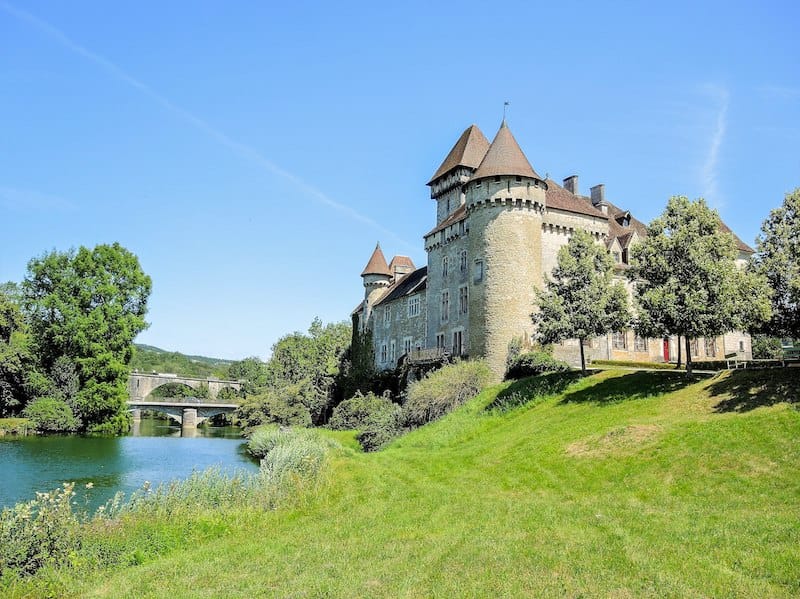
column 155, row 453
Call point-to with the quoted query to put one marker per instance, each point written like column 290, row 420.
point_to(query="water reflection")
column 157, row 451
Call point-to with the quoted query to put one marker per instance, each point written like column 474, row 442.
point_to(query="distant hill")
column 148, row 358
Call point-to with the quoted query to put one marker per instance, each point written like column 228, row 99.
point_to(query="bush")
column 356, row 412
column 535, row 362
column 443, row 390
column 51, row 415
column 380, row 428
column 272, row 407
column 40, row 532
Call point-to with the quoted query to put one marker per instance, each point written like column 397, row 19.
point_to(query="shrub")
column 535, row 362
column 380, row 428
column 443, row 390
column 272, row 407
column 52, row 415
column 40, row 532
column 356, row 412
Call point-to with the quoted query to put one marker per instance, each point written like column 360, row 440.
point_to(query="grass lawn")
column 620, row 484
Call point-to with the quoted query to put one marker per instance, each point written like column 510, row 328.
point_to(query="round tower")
column 505, row 200
column 376, row 277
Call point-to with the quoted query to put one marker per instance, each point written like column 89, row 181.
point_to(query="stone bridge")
column 188, row 412
column 142, row 384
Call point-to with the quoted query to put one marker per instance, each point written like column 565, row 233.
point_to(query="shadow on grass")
column 527, row 390
column 746, row 390
column 636, row 385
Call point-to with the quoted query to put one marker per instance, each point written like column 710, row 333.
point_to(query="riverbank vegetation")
column 66, row 339
column 147, row 358
column 647, row 484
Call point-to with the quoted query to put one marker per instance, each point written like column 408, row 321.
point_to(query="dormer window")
column 616, row 257
column 626, row 222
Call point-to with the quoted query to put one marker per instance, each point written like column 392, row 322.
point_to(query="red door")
column 666, row 350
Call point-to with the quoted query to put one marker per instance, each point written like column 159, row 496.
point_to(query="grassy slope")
column 148, row 358
column 679, row 490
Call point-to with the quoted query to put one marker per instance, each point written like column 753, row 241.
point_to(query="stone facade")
column 499, row 226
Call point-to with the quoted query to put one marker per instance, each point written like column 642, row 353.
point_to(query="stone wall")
column 397, row 328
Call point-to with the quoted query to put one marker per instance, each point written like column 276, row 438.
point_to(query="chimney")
column 598, row 194
column 571, row 184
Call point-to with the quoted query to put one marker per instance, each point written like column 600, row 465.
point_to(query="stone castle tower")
column 499, row 227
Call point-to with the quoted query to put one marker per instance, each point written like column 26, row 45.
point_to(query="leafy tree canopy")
column 89, row 305
column 778, row 259
column 580, row 299
column 686, row 278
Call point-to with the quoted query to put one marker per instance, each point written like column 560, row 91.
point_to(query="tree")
column 88, row 306
column 778, row 259
column 686, row 279
column 580, row 300
column 16, row 360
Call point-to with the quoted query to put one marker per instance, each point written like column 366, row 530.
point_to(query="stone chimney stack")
column 598, row 194
column 571, row 184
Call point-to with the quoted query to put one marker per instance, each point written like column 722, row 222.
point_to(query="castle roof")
column 377, row 264
column 560, row 198
column 469, row 150
column 409, row 284
column 458, row 214
column 740, row 245
column 400, row 261
column 504, row 157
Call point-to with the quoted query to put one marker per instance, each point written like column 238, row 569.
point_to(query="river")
column 156, row 452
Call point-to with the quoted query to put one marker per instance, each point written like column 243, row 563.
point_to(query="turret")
column 376, row 278
column 456, row 169
column 505, row 199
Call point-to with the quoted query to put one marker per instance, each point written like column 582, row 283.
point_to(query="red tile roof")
column 505, row 157
column 377, row 264
column 562, row 199
column 400, row 261
column 469, row 150
column 458, row 214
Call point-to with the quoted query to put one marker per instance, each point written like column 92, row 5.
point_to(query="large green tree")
column 778, row 259
column 581, row 300
column 16, row 361
column 88, row 305
column 686, row 279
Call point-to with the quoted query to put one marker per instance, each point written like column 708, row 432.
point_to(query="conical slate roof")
column 469, row 150
column 505, row 157
column 377, row 264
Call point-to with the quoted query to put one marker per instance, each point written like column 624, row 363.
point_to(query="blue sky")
column 251, row 153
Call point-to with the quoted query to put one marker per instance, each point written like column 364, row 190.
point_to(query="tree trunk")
column 583, row 359
column 679, row 351
column 688, row 356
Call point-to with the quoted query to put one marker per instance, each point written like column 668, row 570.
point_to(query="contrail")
column 710, row 168
column 243, row 150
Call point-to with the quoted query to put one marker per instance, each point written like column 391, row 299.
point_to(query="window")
column 392, row 350
column 478, row 183
column 517, row 178
column 463, row 300
column 387, row 315
column 741, row 345
column 458, row 347
column 625, row 256
column 445, row 264
column 445, row 316
column 639, row 343
column 478, row 271
column 407, row 341
column 693, row 348
column 496, row 178
column 616, row 257
column 619, row 340
column 711, row 348
column 384, row 353
column 463, row 261
column 440, row 341
column 413, row 306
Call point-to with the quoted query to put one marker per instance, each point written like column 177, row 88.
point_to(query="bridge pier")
column 137, row 415
column 189, row 419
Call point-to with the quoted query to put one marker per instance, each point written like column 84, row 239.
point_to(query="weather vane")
column 505, row 105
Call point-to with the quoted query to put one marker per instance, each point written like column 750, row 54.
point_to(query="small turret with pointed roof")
column 505, row 157
column 377, row 263
column 455, row 171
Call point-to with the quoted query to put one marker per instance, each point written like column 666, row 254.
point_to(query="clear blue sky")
column 251, row 153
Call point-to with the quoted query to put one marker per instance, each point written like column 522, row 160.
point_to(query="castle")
column 499, row 226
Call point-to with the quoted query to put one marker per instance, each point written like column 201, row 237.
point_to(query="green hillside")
column 621, row 484
column 148, row 358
